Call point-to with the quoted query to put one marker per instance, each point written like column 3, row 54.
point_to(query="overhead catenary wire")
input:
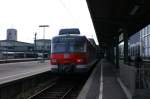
column 68, row 11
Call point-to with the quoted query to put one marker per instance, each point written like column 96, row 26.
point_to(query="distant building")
column 12, row 34
column 15, row 46
column 16, row 49
column 43, row 46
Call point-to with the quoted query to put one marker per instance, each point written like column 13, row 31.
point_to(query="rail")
column 67, row 92
column 41, row 91
column 52, row 83
column 61, row 89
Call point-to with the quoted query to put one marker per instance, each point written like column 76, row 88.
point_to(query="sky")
column 27, row 15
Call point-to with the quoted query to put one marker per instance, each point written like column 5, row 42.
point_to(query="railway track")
column 63, row 88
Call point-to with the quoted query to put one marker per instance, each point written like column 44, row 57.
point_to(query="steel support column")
column 117, row 52
column 125, row 47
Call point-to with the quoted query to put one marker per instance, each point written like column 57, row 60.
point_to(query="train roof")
column 74, row 36
column 69, row 31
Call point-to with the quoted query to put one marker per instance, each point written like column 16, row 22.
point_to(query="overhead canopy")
column 110, row 17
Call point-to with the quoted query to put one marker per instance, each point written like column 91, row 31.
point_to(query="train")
column 71, row 52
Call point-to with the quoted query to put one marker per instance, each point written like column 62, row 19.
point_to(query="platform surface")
column 14, row 71
column 110, row 89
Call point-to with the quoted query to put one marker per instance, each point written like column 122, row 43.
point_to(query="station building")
column 15, row 49
column 43, row 46
column 11, row 48
column 12, row 34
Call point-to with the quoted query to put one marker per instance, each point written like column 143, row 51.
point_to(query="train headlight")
column 79, row 60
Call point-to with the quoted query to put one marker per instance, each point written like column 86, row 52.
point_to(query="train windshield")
column 59, row 48
column 76, row 47
column 68, row 45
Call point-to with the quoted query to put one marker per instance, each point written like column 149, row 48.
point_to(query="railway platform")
column 102, row 84
column 20, row 80
column 15, row 71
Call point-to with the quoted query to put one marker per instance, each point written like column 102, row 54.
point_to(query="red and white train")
column 71, row 52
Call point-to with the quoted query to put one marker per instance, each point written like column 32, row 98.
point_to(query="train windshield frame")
column 68, row 44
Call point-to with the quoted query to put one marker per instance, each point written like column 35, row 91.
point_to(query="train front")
column 68, row 53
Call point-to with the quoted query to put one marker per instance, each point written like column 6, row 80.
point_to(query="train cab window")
column 76, row 48
column 68, row 44
column 59, row 48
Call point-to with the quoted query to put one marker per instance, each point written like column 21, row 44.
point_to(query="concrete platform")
column 102, row 84
column 15, row 71
column 111, row 87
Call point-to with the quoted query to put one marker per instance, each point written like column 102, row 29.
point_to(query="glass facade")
column 139, row 43
column 145, row 41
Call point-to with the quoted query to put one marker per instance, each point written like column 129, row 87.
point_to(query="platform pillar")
column 117, row 52
column 125, row 47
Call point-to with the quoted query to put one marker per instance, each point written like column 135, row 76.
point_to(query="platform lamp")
column 43, row 49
